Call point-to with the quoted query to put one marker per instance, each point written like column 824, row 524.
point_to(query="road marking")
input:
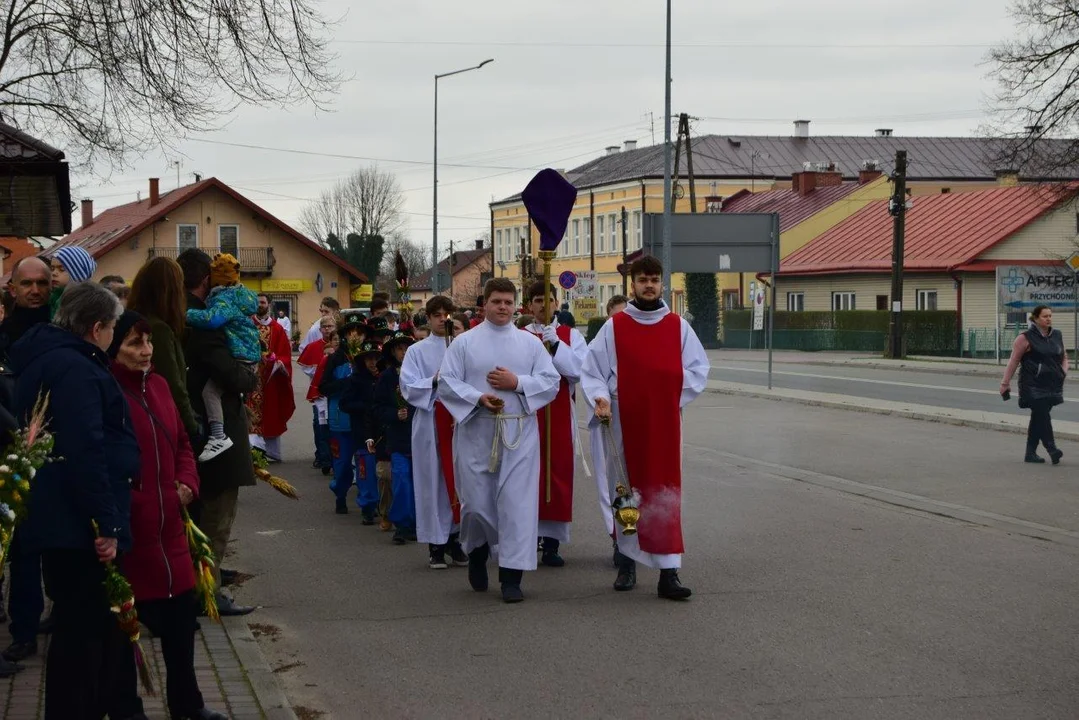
column 896, row 383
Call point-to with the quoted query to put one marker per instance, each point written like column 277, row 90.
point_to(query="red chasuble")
column 560, row 508
column 649, row 359
column 272, row 402
column 444, row 437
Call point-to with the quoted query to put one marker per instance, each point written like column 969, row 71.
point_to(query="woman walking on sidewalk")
column 1043, row 364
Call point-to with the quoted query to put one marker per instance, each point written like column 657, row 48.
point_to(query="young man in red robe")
column 272, row 403
column 643, row 367
column 568, row 349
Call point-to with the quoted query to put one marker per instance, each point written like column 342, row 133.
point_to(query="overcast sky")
column 570, row 77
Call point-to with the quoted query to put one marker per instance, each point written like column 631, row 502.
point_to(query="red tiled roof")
column 120, row 223
column 16, row 249
column 943, row 232
column 792, row 207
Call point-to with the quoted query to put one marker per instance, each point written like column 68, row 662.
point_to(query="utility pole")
column 667, row 167
column 898, row 209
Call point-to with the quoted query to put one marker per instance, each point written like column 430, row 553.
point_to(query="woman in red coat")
column 159, row 565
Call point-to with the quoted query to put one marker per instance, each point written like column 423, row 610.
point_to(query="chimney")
column 87, row 212
column 869, row 172
column 154, row 197
column 1007, row 177
column 883, row 132
column 479, row 244
column 612, row 149
column 801, row 128
column 630, row 145
column 804, row 182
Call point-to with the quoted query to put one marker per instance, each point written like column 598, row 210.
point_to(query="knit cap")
column 78, row 263
column 224, row 270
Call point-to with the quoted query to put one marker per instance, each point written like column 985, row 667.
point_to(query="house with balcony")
column 293, row 270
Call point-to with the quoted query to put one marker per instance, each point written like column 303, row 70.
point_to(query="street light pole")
column 434, row 208
column 667, row 168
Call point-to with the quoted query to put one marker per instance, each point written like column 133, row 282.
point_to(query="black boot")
column 511, row 585
column 477, row 567
column 550, row 556
column 1055, row 454
column 457, row 553
column 627, row 573
column 1033, row 457
column 670, row 587
column 342, row 507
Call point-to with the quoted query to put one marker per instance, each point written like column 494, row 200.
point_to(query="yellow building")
column 274, row 258
column 631, row 179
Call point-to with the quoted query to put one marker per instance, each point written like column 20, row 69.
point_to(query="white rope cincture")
column 499, row 441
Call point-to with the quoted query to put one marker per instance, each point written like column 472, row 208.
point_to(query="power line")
column 733, row 45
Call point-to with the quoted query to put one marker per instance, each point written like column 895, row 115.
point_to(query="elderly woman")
column 159, row 564
column 90, row 482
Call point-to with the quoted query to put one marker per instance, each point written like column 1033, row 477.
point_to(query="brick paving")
column 227, row 684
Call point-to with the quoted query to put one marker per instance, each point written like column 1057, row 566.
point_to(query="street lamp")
column 434, row 214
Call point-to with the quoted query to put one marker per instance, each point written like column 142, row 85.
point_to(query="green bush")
column 927, row 332
column 593, row 327
column 702, row 299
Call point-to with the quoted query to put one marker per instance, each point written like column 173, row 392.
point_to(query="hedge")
column 594, row 325
column 928, row 332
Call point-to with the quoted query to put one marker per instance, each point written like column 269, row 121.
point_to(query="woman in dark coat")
column 159, row 565
column 1043, row 364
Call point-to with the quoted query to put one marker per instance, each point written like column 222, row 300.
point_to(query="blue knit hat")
column 78, row 263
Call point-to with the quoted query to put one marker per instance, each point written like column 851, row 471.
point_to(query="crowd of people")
column 457, row 430
column 460, row 433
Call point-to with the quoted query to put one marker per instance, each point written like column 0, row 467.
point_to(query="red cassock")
column 444, row 438
column 560, row 507
column 649, row 398
column 272, row 403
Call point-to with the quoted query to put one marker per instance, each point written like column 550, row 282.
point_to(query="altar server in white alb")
column 643, row 367
column 438, row 511
column 568, row 349
column 493, row 380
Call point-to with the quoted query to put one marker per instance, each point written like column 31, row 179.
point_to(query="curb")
column 1005, row 424
column 275, row 706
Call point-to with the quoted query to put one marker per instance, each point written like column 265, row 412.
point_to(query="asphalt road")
column 962, row 392
column 811, row 599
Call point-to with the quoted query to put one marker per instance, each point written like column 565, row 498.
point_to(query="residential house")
column 467, row 271
column 14, row 249
column 37, row 191
column 954, row 245
column 274, row 258
column 631, row 179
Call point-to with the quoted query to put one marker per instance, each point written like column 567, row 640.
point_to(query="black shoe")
column 627, row 575
column 1055, row 454
column 7, row 668
column 477, row 568
column 327, row 470
column 1033, row 457
column 341, row 507
column 228, row 577
column 203, row 714
column 511, row 585
column 399, row 537
column 368, row 516
column 45, row 626
column 228, row 608
column 316, row 464
column 552, row 559
column 457, row 553
column 438, row 557
column 19, row 651
column 670, row 587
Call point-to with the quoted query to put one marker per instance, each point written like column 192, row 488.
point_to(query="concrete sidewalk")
column 234, row 677
column 1064, row 430
column 941, row 366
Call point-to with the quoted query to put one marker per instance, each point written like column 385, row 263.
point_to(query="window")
column 730, row 299
column 499, row 254
column 637, row 239
column 612, row 290
column 842, row 301
column 228, row 239
column 796, row 302
column 187, row 236
column 576, row 238
column 926, row 300
column 601, row 236
column 602, row 292
column 616, row 244
column 587, row 237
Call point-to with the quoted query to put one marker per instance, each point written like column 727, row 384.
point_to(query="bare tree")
column 108, row 78
column 1038, row 102
column 367, row 202
column 417, row 260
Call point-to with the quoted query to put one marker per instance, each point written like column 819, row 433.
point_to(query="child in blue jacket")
column 229, row 307
column 395, row 417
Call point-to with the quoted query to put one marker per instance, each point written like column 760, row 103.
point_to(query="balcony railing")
column 253, row 260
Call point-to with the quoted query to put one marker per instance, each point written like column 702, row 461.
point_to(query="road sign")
column 567, row 279
column 716, row 242
column 1073, row 261
column 1022, row 287
column 758, row 309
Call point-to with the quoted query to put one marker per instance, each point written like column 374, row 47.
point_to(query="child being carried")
column 230, row 307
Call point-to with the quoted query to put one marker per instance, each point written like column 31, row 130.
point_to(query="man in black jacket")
column 30, row 284
column 208, row 356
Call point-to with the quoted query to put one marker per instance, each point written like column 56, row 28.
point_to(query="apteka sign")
column 1021, row 287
